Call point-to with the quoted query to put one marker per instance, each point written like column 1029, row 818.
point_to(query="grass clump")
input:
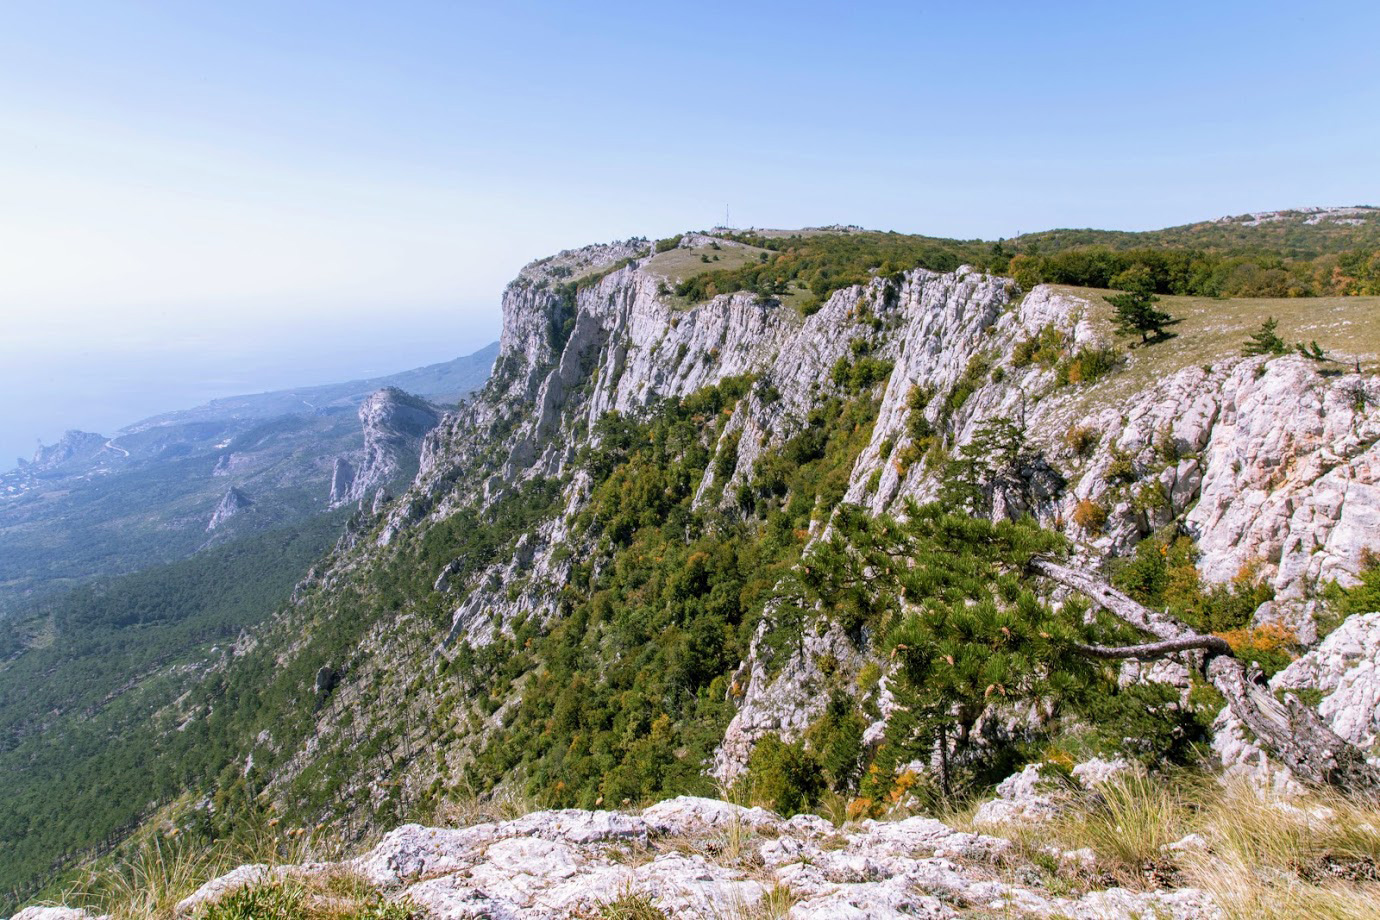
column 1270, row 857
column 148, row 883
column 630, row 905
column 1257, row 854
column 331, row 897
column 1128, row 823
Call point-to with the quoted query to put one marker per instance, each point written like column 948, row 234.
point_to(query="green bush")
column 836, row 739
column 1163, row 573
column 784, row 776
column 286, row 900
column 1087, row 365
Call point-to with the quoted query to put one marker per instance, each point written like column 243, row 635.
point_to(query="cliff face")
column 394, row 424
column 1271, row 465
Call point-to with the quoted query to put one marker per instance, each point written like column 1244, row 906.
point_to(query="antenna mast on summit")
column 727, row 225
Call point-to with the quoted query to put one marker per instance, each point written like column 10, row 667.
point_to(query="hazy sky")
column 199, row 199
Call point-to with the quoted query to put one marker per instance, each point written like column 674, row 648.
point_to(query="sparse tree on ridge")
column 1265, row 341
column 1135, row 308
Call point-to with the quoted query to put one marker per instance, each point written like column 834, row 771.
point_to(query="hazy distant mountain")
column 442, row 384
column 91, row 505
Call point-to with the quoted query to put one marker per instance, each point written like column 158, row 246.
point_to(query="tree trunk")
column 1291, row 731
column 944, row 762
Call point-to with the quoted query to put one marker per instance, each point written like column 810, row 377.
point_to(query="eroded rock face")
column 696, row 857
column 234, row 502
column 394, row 425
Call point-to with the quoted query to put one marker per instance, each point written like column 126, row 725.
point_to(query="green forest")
column 76, row 736
column 1217, row 259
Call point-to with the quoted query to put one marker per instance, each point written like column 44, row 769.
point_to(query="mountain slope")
column 580, row 595
column 602, row 577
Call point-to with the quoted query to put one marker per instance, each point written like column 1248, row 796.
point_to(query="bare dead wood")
column 1291, row 731
column 1214, row 644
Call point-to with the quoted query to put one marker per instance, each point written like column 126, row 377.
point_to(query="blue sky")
column 205, row 198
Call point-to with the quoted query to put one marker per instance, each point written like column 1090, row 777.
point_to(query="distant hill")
column 93, row 506
column 443, row 384
column 1299, row 233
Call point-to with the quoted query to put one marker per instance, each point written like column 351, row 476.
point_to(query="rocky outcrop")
column 342, row 478
column 394, row 425
column 54, row 913
column 73, row 446
column 1028, row 797
column 693, row 857
column 232, row 503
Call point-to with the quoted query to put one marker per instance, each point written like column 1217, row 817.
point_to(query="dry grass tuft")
column 629, row 905
column 1128, row 822
column 470, row 807
column 1270, row 857
column 148, row 884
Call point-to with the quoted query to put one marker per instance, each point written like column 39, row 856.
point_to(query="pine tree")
column 1136, row 312
column 1312, row 350
column 1265, row 341
column 990, row 463
column 949, row 603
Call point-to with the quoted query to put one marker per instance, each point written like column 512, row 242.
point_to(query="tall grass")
column 149, row 883
column 1260, row 856
column 1273, row 858
column 1128, row 822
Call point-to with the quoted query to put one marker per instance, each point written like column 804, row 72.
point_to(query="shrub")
column 1045, row 348
column 1090, row 516
column 1151, row 497
column 784, row 776
column 342, row 899
column 1361, row 598
column 1122, row 469
column 860, row 375
column 1087, row 365
column 837, row 740
column 973, row 376
column 1081, row 438
column 1163, row 573
column 1271, row 646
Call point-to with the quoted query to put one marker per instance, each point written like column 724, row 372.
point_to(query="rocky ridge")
column 1270, row 464
column 232, row 503
column 394, row 424
column 696, row 857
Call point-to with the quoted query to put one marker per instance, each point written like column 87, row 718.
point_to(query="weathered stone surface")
column 54, row 913
column 1022, row 798
column 693, row 858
